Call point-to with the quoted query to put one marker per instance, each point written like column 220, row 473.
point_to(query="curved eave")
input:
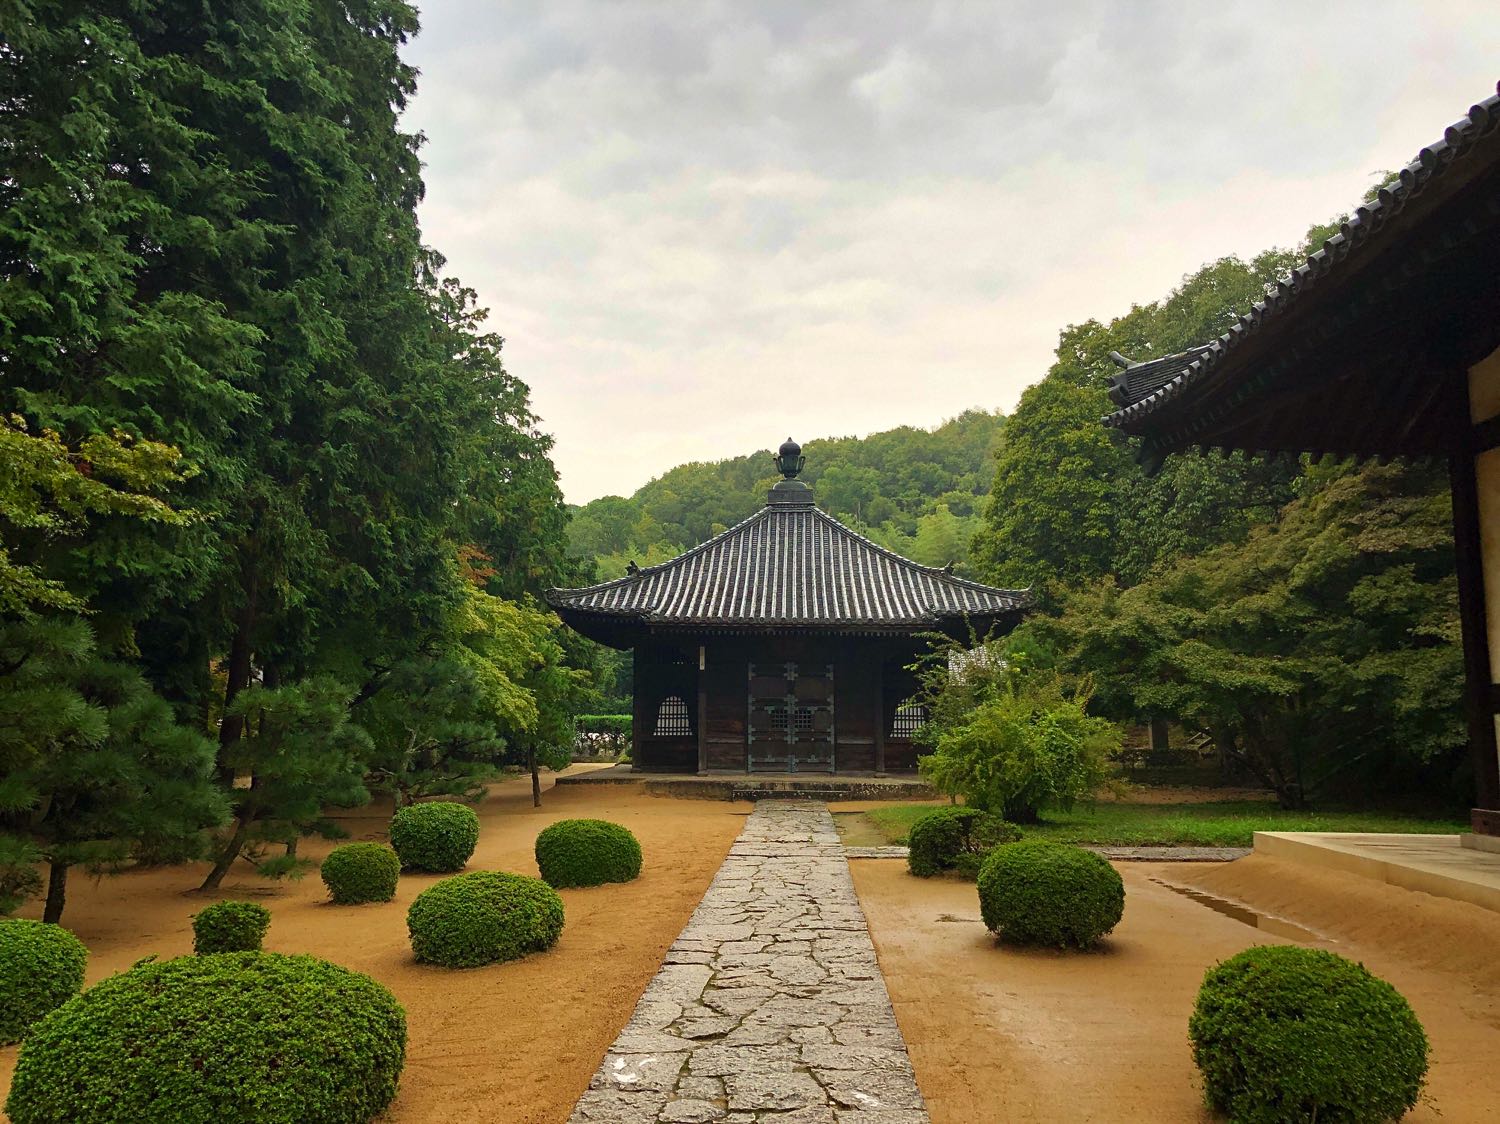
column 1439, row 171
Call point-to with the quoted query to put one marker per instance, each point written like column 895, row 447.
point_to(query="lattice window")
column 909, row 719
column 804, row 719
column 672, row 718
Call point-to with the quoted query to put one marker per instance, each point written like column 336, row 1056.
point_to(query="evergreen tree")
column 94, row 768
column 299, row 754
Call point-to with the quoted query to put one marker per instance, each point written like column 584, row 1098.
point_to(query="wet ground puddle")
column 1244, row 914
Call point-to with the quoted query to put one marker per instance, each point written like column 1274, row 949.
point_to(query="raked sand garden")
column 994, row 1032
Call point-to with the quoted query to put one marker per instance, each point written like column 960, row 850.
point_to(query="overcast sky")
column 703, row 226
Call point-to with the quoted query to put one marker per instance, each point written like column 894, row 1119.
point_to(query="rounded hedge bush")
column 1035, row 892
column 587, row 853
column 361, row 872
column 483, row 917
column 438, row 837
column 230, row 927
column 236, row 1036
column 954, row 839
column 1288, row 1033
column 41, row 968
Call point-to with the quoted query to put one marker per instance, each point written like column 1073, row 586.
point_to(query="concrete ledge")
column 1489, row 843
column 826, row 787
column 1432, row 864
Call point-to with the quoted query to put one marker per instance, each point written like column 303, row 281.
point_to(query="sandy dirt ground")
column 1001, row 1034
column 513, row 1043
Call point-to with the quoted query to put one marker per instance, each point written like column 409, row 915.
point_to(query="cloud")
column 701, row 226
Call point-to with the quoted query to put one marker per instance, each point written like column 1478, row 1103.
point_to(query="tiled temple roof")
column 789, row 565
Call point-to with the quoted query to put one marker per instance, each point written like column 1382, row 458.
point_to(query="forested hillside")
column 917, row 491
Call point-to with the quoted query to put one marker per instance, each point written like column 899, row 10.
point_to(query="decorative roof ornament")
column 790, row 490
column 789, row 459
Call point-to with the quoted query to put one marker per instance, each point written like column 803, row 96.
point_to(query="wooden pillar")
column 880, row 716
column 641, row 670
column 702, row 710
column 1479, row 708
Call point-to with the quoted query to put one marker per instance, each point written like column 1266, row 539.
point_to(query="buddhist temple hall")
column 782, row 645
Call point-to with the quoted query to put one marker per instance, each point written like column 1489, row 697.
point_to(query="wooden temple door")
column 790, row 728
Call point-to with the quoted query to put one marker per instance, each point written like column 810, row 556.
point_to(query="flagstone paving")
column 770, row 1006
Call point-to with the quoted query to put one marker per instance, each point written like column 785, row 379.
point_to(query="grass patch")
column 1229, row 824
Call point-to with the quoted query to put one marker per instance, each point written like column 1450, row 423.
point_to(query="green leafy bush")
column 587, row 853
column 438, row 837
column 955, row 839
column 1009, row 741
column 361, row 872
column 1287, row 1033
column 237, row 1036
column 230, row 927
column 483, row 917
column 1035, row 892
column 41, row 968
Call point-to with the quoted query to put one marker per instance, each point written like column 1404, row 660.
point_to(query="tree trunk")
column 1021, row 813
column 229, row 854
column 57, row 892
column 231, row 727
column 536, row 777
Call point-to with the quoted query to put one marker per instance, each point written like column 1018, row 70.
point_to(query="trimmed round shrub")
column 236, row 1036
column 1035, row 892
column 587, row 853
column 230, row 927
column 361, row 872
column 41, row 968
column 483, row 917
column 438, row 837
column 1288, row 1033
column 955, row 839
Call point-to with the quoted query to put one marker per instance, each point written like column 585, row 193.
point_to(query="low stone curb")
column 1119, row 854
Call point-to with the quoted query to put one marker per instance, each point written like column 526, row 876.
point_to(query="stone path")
column 770, row 1006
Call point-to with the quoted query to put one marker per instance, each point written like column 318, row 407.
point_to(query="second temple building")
column 783, row 644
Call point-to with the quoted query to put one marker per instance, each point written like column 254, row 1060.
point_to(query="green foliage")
column 230, row 926
column 207, row 1039
column 437, row 837
column 210, row 241
column 909, row 489
column 94, row 767
column 940, row 839
column 1230, row 823
column 483, row 917
column 1036, row 892
column 601, row 733
column 41, row 968
column 1322, row 653
column 1008, row 741
column 361, row 872
column 587, row 853
column 1283, row 1033
column 49, row 490
column 302, row 754
column 19, row 878
column 1068, row 505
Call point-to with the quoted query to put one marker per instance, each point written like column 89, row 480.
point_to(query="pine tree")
column 94, row 768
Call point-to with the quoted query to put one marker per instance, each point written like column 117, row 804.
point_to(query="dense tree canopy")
column 266, row 443
column 1321, row 653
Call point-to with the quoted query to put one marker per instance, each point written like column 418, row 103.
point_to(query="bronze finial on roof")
column 789, row 459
